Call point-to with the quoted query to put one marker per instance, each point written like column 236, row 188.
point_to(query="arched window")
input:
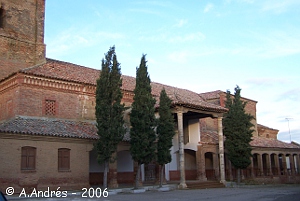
column 63, row 159
column 28, row 158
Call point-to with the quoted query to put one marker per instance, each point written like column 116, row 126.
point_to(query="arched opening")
column 256, row 170
column 273, row 164
column 265, row 164
column 281, row 164
column 190, row 164
column 209, row 165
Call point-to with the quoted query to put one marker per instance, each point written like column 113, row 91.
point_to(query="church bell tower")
column 21, row 35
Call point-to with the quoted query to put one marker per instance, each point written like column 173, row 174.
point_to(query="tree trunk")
column 238, row 176
column 106, row 166
column 137, row 176
column 161, row 180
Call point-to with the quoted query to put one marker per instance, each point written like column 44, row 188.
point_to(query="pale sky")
column 197, row 45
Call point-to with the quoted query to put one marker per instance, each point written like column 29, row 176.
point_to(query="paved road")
column 251, row 193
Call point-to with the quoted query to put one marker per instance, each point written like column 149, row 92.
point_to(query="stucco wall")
column 46, row 172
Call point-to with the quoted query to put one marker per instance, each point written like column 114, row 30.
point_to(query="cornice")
column 8, row 84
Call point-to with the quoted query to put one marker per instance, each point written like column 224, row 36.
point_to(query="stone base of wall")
column 189, row 175
column 96, row 178
column 174, row 175
column 274, row 180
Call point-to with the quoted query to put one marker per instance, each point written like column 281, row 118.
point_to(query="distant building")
column 47, row 121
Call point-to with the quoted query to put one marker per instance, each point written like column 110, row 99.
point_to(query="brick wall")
column 267, row 132
column 32, row 103
column 8, row 103
column 46, row 173
column 211, row 124
column 22, row 35
column 21, row 95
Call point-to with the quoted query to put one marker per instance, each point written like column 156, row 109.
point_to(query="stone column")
column 292, row 164
column 182, row 184
column 260, row 164
column 269, row 164
column 298, row 164
column 284, row 164
column 276, row 159
column 221, row 150
column 252, row 168
column 113, row 173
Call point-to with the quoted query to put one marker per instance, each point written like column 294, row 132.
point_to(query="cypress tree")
column 165, row 132
column 142, row 119
column 109, row 110
column 238, row 131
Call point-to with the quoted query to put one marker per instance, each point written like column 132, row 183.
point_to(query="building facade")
column 47, row 121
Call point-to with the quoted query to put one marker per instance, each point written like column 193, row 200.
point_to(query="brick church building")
column 47, row 121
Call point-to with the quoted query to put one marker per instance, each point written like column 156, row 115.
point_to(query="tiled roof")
column 52, row 127
column 211, row 95
column 64, row 71
column 271, row 143
column 216, row 95
column 49, row 127
column 76, row 73
column 265, row 127
column 262, row 142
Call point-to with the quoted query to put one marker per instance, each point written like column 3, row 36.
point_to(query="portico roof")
column 258, row 142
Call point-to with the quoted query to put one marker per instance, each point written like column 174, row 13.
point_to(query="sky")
column 193, row 44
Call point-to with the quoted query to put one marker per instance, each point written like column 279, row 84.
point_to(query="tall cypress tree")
column 142, row 119
column 109, row 110
column 238, row 131
column 165, row 132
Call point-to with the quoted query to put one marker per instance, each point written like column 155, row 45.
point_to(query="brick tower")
column 21, row 35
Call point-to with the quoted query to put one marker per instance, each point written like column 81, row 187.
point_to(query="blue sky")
column 198, row 45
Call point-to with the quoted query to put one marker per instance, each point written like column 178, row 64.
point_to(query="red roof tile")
column 211, row 95
column 216, row 95
column 272, row 143
column 265, row 127
column 212, row 137
column 52, row 127
column 76, row 73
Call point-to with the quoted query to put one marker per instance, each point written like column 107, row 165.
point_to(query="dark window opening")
column 63, row 159
column 28, row 158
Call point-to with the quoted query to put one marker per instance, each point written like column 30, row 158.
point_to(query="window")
column 28, row 158
column 63, row 159
column 2, row 16
column 50, row 107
